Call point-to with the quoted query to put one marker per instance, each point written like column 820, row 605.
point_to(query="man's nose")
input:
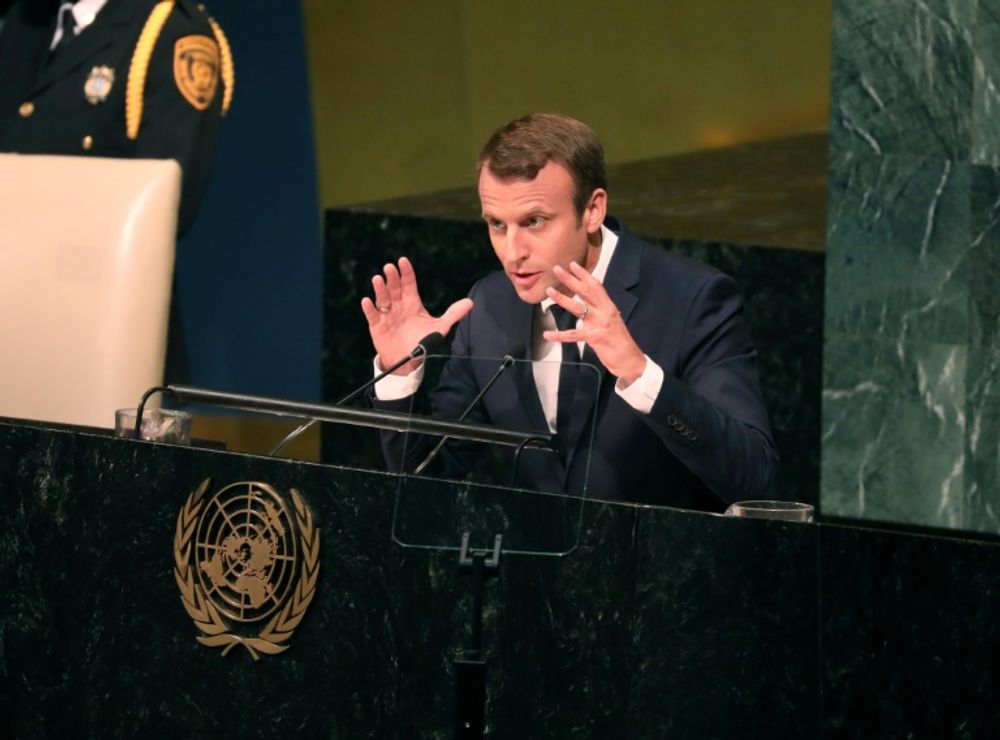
column 516, row 245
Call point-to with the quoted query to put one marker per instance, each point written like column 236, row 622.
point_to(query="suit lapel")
column 623, row 273
column 621, row 278
column 522, row 328
column 91, row 41
column 23, row 49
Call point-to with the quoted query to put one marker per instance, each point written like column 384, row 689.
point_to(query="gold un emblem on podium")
column 246, row 564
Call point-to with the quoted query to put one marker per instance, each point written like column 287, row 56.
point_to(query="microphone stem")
column 507, row 362
column 418, row 351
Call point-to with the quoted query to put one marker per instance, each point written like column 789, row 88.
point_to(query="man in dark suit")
column 116, row 78
column 678, row 416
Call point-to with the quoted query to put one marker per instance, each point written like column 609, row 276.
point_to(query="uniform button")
column 88, row 142
column 26, row 109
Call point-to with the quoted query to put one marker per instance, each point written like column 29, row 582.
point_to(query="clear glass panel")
column 517, row 478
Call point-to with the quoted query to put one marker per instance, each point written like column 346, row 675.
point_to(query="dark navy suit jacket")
column 706, row 442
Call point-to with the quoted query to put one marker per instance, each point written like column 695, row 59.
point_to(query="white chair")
column 86, row 262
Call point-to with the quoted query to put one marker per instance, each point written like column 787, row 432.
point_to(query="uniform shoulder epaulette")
column 135, row 87
column 227, row 70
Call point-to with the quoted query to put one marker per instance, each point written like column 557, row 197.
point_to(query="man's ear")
column 595, row 210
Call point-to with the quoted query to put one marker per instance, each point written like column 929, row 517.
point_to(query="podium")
column 656, row 623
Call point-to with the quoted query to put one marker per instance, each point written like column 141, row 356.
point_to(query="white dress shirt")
column 84, row 12
column 640, row 395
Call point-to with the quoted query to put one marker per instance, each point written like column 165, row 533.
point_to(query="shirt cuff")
column 642, row 394
column 395, row 387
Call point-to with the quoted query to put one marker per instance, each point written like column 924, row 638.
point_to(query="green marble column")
column 911, row 399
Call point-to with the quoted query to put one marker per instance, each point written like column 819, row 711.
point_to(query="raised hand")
column 397, row 319
column 601, row 327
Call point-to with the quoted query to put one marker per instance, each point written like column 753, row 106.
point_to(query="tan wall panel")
column 404, row 94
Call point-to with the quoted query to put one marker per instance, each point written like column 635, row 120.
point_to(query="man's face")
column 534, row 226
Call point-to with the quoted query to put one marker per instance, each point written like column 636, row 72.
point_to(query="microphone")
column 433, row 344
column 516, row 351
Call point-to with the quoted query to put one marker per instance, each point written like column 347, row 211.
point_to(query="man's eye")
column 496, row 225
column 535, row 221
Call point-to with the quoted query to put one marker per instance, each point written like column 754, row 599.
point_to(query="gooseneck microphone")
column 433, row 344
column 516, row 351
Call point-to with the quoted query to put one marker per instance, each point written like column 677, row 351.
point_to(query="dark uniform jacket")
column 72, row 101
column 706, row 442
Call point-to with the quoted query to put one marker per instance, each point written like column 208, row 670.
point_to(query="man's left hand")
column 600, row 326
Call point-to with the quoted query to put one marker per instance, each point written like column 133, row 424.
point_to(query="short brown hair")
column 518, row 150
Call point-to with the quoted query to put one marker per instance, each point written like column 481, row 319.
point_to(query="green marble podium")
column 656, row 623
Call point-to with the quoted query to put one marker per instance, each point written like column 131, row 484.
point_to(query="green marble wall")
column 911, row 402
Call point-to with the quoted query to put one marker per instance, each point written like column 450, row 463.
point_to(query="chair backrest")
column 86, row 263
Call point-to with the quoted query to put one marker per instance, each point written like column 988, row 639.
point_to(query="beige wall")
column 405, row 93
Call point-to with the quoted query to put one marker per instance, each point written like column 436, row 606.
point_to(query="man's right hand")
column 397, row 319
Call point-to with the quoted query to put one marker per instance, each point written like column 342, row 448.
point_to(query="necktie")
column 68, row 25
column 568, row 371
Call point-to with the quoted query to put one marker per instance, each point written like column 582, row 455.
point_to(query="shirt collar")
column 84, row 12
column 609, row 240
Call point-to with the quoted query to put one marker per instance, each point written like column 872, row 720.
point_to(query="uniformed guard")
column 116, row 78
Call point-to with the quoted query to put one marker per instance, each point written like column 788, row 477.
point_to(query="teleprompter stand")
column 470, row 668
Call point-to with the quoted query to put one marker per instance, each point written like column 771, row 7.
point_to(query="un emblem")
column 244, row 556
